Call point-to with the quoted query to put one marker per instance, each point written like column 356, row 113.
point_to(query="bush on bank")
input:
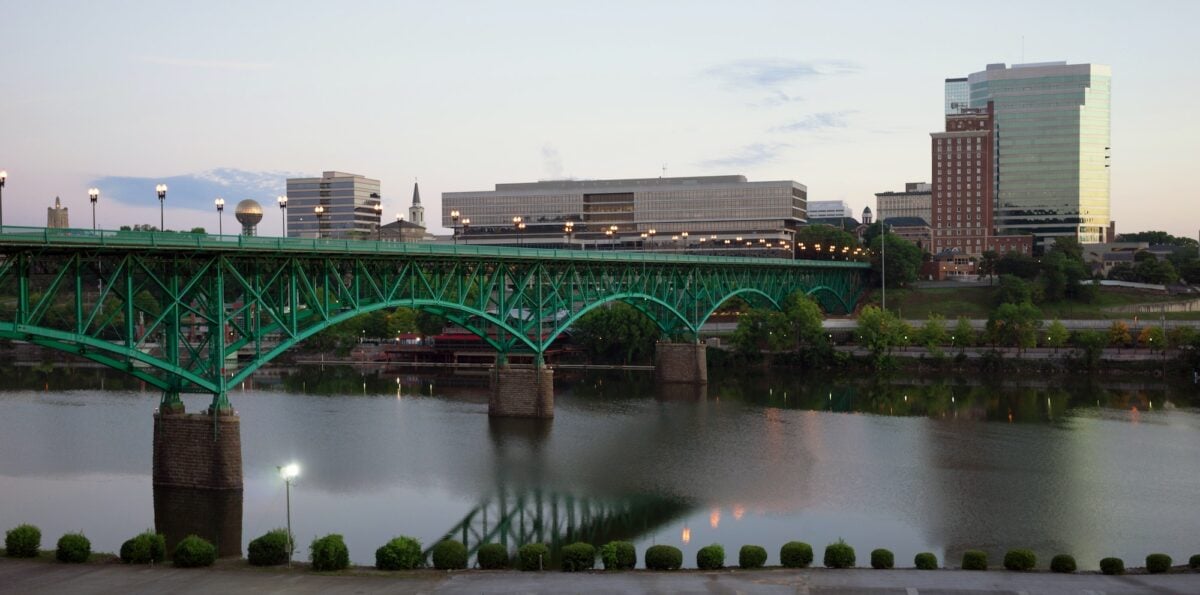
column 752, row 556
column 663, row 557
column 1112, row 566
column 618, row 555
column 492, row 556
column 839, row 555
column 449, row 554
column 22, row 541
column 925, row 561
column 533, row 556
column 1020, row 559
column 795, row 554
column 194, row 552
column 882, row 559
column 578, row 556
column 269, row 549
column 73, row 548
column 330, row 553
column 1158, row 563
column 146, row 547
column 974, row 560
column 1194, row 561
column 710, row 557
column 401, row 553
column 1063, row 563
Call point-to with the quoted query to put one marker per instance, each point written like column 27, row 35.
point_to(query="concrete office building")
column 913, row 202
column 696, row 213
column 1051, row 147
column 348, row 201
column 56, row 216
column 829, row 209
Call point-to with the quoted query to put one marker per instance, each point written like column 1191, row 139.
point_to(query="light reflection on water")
column 938, row 466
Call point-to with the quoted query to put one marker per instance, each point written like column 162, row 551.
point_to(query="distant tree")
column 964, row 335
column 804, row 315
column 1018, row 264
column 1180, row 336
column 1123, row 272
column 1015, row 325
column 880, row 331
column 1014, row 290
column 617, row 333
column 762, row 330
column 1091, row 343
column 903, row 260
column 1156, row 271
column 1057, row 335
column 824, row 236
column 987, row 264
column 1118, row 335
column 1152, row 337
column 199, row 230
column 932, row 334
column 429, row 324
column 1157, row 238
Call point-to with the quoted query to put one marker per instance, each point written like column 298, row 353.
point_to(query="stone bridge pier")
column 680, row 363
column 521, row 391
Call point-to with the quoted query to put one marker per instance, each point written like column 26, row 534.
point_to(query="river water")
column 941, row 465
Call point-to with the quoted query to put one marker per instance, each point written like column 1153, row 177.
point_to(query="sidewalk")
column 48, row 577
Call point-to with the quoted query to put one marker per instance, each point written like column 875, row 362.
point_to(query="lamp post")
column 379, row 221
column 283, row 212
column 518, row 225
column 220, row 202
column 454, row 224
column 161, row 189
column 883, row 265
column 3, row 178
column 650, row 235
column 320, row 212
column 466, row 226
column 93, row 195
column 612, row 233
column 569, row 228
column 684, row 235
column 399, row 227
column 288, row 473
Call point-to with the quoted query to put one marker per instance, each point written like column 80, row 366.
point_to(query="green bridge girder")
column 169, row 308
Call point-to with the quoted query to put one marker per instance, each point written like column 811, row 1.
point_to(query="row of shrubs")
column 329, row 553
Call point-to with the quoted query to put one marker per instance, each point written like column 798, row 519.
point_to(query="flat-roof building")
column 348, row 202
column 829, row 209
column 912, row 202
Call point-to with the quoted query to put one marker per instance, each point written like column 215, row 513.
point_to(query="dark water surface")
column 939, row 465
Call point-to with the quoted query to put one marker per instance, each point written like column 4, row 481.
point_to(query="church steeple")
column 416, row 213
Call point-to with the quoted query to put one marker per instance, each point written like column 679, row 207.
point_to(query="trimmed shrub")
column 270, row 549
column 925, row 561
column 882, row 559
column 752, row 556
column 1112, row 566
column 194, row 552
column 492, row 556
column 578, row 556
column 533, row 556
column 795, row 554
column 449, row 554
column 146, row 547
column 22, row 541
column 710, row 557
column 329, row 553
column 974, row 560
column 1063, row 563
column 618, row 555
column 1194, row 561
column 1020, row 560
column 839, row 555
column 401, row 553
column 663, row 557
column 1158, row 563
column 73, row 548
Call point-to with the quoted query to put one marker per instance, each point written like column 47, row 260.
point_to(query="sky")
column 231, row 98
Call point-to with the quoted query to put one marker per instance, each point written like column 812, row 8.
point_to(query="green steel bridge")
column 171, row 308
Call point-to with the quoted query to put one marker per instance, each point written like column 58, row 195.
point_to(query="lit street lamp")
column 161, row 189
column 320, row 212
column 283, row 212
column 220, row 202
column 466, row 226
column 684, row 235
column 93, row 195
column 3, row 178
column 288, row 473
column 569, row 228
column 519, row 225
column 379, row 221
column 454, row 224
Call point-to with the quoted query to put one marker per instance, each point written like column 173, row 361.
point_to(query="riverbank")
column 18, row 576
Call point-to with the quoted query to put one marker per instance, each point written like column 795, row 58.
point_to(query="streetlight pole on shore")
column 288, row 473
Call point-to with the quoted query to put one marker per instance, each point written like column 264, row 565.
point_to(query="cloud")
column 206, row 64
column 748, row 156
column 771, row 73
column 196, row 190
column 814, row 122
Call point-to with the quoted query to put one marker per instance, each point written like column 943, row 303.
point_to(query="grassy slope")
column 977, row 302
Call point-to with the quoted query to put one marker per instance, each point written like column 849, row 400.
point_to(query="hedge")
column 795, row 554
column 618, row 555
column 1158, row 563
column 449, row 554
column 194, row 552
column 146, row 547
column 329, row 553
column 1020, row 560
column 73, row 548
column 1194, row 561
column 269, row 549
column 1112, row 566
column 882, row 559
column 22, row 541
column 533, row 556
column 710, row 557
column 578, row 556
column 401, row 553
column 839, row 555
column 492, row 556
column 925, row 561
column 663, row 557
column 974, row 560
column 1063, row 563
column 752, row 556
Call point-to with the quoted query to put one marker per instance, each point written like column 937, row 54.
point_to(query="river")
column 942, row 465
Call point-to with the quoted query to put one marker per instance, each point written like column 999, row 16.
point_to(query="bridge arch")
column 750, row 291
column 634, row 299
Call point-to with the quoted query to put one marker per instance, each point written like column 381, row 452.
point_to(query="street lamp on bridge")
column 161, row 190
column 220, row 202
column 283, row 212
column 379, row 221
column 466, row 226
column 320, row 212
column 3, row 178
column 569, row 228
column 519, row 226
column 454, row 214
column 93, row 196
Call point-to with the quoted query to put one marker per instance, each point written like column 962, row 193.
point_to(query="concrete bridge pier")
column 680, row 363
column 521, row 391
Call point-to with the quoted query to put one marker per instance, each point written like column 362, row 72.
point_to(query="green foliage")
column 1063, row 563
column 1020, row 559
column 932, row 334
column 194, row 552
column 449, row 554
column 1158, row 563
column 1015, row 325
column 964, row 335
column 839, row 555
column 1017, row 264
column 752, row 556
column 22, row 541
column 616, row 333
column 1156, row 271
column 1057, row 334
column 1091, row 343
column 882, row 559
column 903, row 260
column 1112, row 566
column 880, row 331
column 1181, row 336
column 329, row 553
column 533, row 556
column 492, row 556
column 974, row 560
column 144, row 548
column 1194, row 561
column 1013, row 290
column 987, row 264
column 618, row 555
column 269, row 549
column 578, row 556
column 925, row 561
column 795, row 554
column 663, row 557
column 710, row 557
column 804, row 315
column 825, row 235
column 1152, row 337
column 73, row 548
column 401, row 553
column 761, row 329
column 1157, row 238
column 1118, row 334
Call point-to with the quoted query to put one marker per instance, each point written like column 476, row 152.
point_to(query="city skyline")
column 215, row 101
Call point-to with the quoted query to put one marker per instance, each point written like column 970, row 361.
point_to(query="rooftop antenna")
column 664, row 174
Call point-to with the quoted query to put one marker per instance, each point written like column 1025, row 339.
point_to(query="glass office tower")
column 1052, row 143
column 347, row 200
column 958, row 95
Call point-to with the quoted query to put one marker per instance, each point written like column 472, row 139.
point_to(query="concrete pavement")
column 19, row 576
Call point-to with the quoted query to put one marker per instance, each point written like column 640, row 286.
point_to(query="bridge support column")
column 522, row 391
column 680, row 362
column 197, row 450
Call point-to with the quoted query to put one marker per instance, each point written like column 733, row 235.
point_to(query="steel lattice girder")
column 171, row 317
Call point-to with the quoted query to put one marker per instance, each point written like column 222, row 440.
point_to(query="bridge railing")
column 45, row 236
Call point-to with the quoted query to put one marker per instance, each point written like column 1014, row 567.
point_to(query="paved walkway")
column 50, row 577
